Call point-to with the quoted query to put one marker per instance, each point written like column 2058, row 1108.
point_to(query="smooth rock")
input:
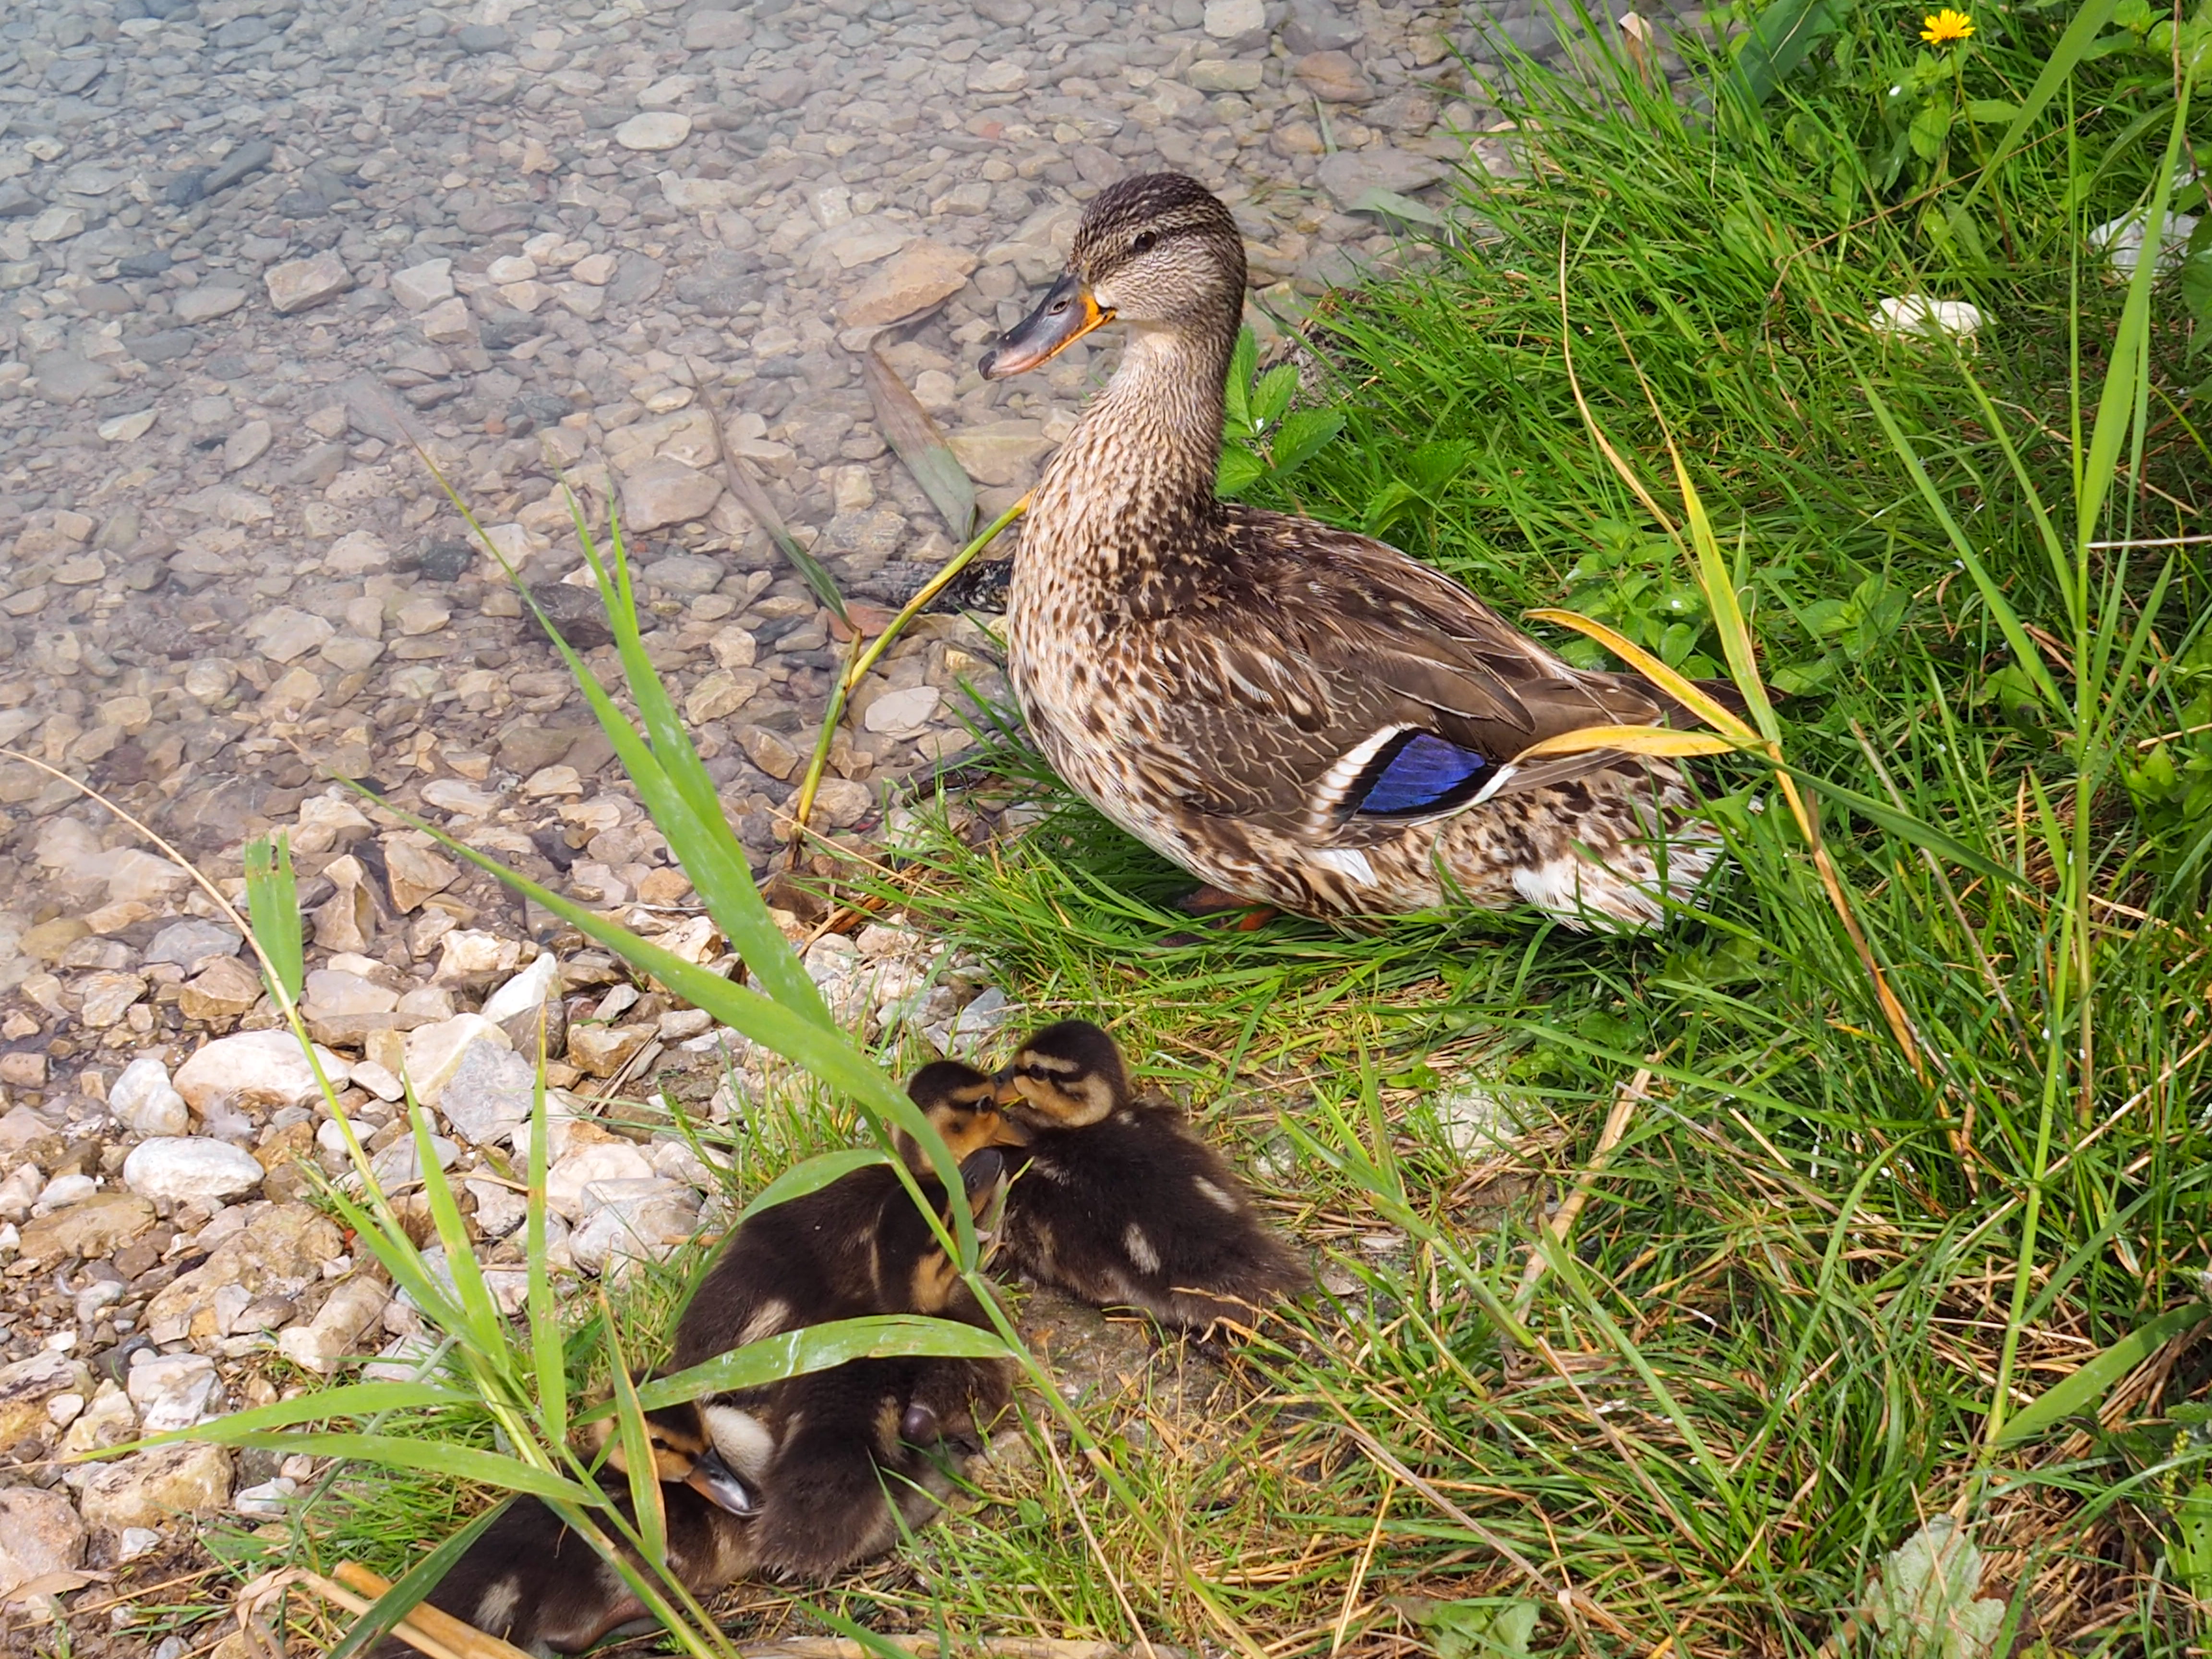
column 1225, row 75
column 434, row 1051
column 93, row 1229
column 660, row 492
column 603, row 1050
column 1335, row 77
column 39, row 1535
column 923, row 274
column 190, row 944
column 262, row 1066
column 601, row 1160
column 1350, row 174
column 1227, row 19
column 644, row 1220
column 525, row 991
column 145, row 1102
column 151, row 1488
column 902, row 712
column 174, row 1391
column 298, row 284
column 656, row 128
column 416, row 873
column 224, row 989
column 420, row 287
column 205, row 304
column 342, row 1327
column 194, row 1168
column 489, row 1093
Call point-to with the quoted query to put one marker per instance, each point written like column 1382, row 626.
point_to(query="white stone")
column 637, row 1220
column 434, row 1052
column 200, row 305
column 298, row 284
column 265, row 1066
column 195, row 1169
column 601, row 1160
column 145, row 1102
column 1917, row 314
column 2121, row 241
column 663, row 492
column 1227, row 19
column 657, row 129
column 341, row 1328
column 148, row 1488
column 420, row 287
column 900, row 713
column 526, row 990
column 174, row 1391
column 123, row 428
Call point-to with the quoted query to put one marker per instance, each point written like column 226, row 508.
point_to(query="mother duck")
column 1302, row 717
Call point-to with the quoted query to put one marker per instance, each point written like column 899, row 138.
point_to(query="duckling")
column 530, row 1581
column 1299, row 715
column 826, row 1450
column 1120, row 1203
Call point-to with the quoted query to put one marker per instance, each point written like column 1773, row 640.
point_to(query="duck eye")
column 1146, row 242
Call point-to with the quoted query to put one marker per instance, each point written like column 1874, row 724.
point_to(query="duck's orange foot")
column 1235, row 915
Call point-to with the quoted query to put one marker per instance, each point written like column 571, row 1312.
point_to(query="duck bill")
column 1064, row 316
column 718, row 1483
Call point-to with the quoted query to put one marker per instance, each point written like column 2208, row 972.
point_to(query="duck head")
column 1157, row 251
column 1064, row 1077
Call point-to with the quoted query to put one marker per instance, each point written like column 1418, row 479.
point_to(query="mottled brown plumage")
column 1302, row 716
column 1117, row 1202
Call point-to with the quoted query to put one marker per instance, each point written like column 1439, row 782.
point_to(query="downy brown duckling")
column 530, row 1581
column 827, row 1451
column 1120, row 1203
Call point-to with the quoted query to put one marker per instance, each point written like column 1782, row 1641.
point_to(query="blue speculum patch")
column 1419, row 772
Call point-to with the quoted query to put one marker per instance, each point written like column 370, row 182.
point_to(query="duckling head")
column 1158, row 250
column 682, row 1452
column 936, row 1275
column 1065, row 1077
column 961, row 1105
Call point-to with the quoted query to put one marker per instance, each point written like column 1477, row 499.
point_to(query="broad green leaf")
column 2086, row 1387
column 549, row 1359
column 486, row 1330
column 1776, row 44
column 1272, row 395
column 272, row 902
column 1376, row 199
column 1929, row 129
column 317, row 1406
column 1240, row 468
column 1304, row 433
column 651, row 1520
column 400, row 1452
column 1988, row 112
column 1482, row 1630
column 817, row 1348
column 915, row 438
column 812, row 1177
column 404, row 1597
column 1242, row 362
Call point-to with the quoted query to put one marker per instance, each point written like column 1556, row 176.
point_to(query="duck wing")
column 1328, row 678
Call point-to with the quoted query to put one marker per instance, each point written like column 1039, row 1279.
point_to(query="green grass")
column 1822, row 1268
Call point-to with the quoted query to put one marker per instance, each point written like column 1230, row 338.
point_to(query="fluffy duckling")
column 827, row 1449
column 530, row 1581
column 1120, row 1203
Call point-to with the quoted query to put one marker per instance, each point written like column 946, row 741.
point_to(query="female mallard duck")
column 1301, row 716
column 1121, row 1204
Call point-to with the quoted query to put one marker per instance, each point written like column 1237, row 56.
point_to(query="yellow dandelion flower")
column 1945, row 27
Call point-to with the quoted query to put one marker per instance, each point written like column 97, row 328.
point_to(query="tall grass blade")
column 916, row 439
column 810, row 1175
column 2088, row 1385
column 652, row 1519
column 405, row 1595
column 272, row 900
column 483, row 1327
column 549, row 1356
column 816, row 1347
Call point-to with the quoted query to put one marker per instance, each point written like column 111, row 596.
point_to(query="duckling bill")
column 1121, row 1204
column 1301, row 716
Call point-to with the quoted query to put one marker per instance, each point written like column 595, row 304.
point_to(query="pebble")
column 144, row 1102
column 267, row 1067
column 194, row 1168
column 653, row 130
column 300, row 284
column 39, row 1534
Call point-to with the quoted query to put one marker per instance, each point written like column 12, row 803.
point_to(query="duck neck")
column 1142, row 465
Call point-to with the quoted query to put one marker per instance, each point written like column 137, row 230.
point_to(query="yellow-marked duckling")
column 530, row 1581
column 826, row 1450
column 1121, row 1204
